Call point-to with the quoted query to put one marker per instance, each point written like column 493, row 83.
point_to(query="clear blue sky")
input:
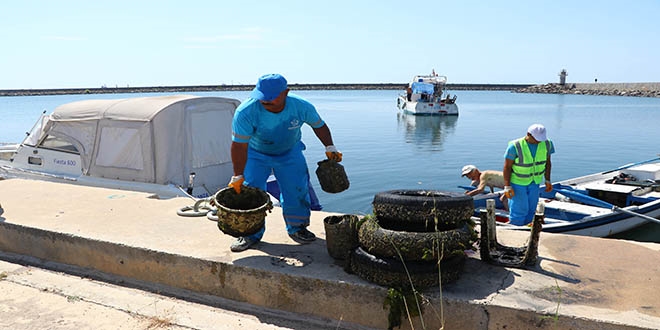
column 72, row 44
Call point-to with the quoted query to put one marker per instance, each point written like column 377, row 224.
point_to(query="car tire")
column 436, row 210
column 378, row 238
column 391, row 272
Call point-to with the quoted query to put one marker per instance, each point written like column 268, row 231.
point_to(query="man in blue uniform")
column 527, row 163
column 266, row 137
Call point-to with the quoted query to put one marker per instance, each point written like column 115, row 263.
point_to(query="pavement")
column 91, row 258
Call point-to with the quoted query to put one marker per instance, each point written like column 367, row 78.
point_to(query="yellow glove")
column 332, row 153
column 508, row 192
column 236, row 183
column 548, row 186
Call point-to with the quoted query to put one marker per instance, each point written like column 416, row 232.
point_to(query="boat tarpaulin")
column 150, row 139
column 421, row 87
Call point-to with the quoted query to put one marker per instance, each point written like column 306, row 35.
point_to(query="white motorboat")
column 170, row 146
column 599, row 205
column 424, row 96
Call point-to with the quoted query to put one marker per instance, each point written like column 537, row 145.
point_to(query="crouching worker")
column 266, row 138
column 488, row 178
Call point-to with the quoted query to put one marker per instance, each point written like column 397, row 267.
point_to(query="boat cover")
column 150, row 139
column 421, row 87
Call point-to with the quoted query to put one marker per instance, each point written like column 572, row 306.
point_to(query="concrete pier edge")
column 486, row 297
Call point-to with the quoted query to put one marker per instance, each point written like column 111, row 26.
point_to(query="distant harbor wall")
column 219, row 88
column 620, row 89
column 614, row 89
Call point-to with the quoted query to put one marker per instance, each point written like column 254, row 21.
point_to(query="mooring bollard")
column 532, row 253
column 492, row 225
column 500, row 255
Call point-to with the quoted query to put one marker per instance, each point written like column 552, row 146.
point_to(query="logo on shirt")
column 295, row 124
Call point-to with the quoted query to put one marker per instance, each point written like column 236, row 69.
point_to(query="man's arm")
column 239, row 157
column 324, row 135
column 548, row 169
column 507, row 170
column 480, row 187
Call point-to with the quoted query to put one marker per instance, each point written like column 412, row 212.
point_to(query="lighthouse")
column 562, row 77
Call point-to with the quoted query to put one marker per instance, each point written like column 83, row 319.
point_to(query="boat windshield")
column 55, row 143
column 35, row 133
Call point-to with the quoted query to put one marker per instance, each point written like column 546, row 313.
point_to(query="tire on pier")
column 436, row 210
column 390, row 272
column 396, row 239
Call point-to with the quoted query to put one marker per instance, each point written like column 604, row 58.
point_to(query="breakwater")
column 219, row 88
column 612, row 89
column 618, row 89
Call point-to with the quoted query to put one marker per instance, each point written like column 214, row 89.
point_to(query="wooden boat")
column 599, row 205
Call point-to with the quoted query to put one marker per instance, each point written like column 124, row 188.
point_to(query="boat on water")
column 598, row 205
column 424, row 96
column 170, row 146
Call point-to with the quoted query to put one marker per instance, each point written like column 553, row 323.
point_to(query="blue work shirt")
column 273, row 133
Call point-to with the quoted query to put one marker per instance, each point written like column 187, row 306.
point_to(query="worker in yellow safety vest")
column 527, row 164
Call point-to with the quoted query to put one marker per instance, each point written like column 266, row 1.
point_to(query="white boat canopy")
column 149, row 139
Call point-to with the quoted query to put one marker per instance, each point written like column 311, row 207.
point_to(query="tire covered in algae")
column 392, row 273
column 396, row 240
column 437, row 210
column 241, row 214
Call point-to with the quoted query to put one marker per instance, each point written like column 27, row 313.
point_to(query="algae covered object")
column 241, row 214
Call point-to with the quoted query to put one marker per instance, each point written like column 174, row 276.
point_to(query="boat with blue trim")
column 598, row 205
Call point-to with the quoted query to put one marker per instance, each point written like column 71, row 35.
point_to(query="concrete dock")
column 132, row 241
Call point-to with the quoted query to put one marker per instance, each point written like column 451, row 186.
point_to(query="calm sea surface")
column 384, row 149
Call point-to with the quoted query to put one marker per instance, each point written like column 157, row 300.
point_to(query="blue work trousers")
column 290, row 170
column 522, row 207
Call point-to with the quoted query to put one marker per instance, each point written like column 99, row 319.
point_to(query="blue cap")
column 269, row 87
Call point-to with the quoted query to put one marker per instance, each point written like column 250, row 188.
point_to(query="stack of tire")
column 416, row 238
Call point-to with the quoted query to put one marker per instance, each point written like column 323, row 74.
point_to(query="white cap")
column 538, row 132
column 467, row 169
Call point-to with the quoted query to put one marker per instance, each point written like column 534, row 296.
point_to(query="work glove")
column 508, row 192
column 332, row 153
column 236, row 182
column 548, row 186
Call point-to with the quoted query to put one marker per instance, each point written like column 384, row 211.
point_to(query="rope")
column 199, row 209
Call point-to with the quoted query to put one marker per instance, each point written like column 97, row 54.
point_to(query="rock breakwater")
column 611, row 89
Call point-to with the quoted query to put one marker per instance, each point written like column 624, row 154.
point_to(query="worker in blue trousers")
column 527, row 164
column 266, row 138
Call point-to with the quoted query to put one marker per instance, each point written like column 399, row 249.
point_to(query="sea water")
column 384, row 149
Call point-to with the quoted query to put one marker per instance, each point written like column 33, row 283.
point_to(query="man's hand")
column 332, row 153
column 508, row 192
column 236, row 183
column 548, row 186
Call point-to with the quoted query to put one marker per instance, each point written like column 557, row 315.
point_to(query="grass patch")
column 555, row 316
column 159, row 322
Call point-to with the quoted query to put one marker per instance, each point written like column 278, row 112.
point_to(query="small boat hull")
column 438, row 108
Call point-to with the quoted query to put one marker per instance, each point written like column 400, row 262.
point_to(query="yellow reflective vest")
column 527, row 169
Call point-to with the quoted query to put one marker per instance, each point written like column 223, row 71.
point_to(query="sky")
column 139, row 43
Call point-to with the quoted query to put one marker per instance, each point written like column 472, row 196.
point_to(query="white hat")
column 467, row 169
column 538, row 132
